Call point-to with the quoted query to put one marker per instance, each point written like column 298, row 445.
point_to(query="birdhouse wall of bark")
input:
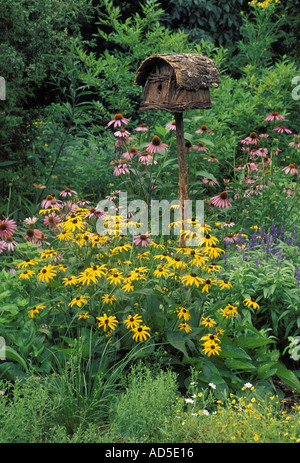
column 177, row 82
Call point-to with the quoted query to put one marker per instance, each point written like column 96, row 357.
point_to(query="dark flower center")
column 156, row 141
column 224, row 195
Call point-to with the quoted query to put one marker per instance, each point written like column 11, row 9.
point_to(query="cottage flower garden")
column 112, row 328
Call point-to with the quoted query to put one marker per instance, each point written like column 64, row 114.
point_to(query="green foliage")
column 150, row 397
column 218, row 22
column 128, row 43
column 260, row 31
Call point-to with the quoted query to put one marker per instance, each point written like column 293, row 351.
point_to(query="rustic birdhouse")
column 177, row 82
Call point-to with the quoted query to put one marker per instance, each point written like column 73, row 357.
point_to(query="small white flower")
column 204, row 412
column 194, row 414
column 248, row 385
column 212, row 385
column 189, row 401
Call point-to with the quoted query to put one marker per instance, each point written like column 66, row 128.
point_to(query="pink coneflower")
column 70, row 208
column 122, row 133
column 156, row 145
column 51, row 220
column 252, row 166
column 252, row 139
column 240, row 167
column 221, row 200
column 263, row 152
column 230, row 238
column 118, row 118
column 200, row 146
column 143, row 239
column 50, row 202
column 171, row 126
column 83, row 202
column 67, row 192
column 123, row 137
column 264, row 135
column 274, row 116
column 121, row 169
column 141, row 128
column 295, row 144
column 113, row 195
column 3, row 246
column 203, row 129
column 147, row 158
column 7, row 228
column 282, row 129
column 130, row 153
column 210, row 182
column 34, row 235
column 94, row 212
column 212, row 158
column 248, row 180
column 11, row 243
column 30, row 220
column 228, row 223
column 290, row 169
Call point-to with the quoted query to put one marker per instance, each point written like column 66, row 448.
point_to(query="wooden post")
column 183, row 183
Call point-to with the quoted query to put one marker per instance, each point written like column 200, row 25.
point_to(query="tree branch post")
column 183, row 170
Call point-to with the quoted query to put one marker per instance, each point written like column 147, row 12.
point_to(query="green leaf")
column 25, row 337
column 251, row 342
column 12, row 354
column 177, row 340
column 233, row 352
column 267, row 370
column 239, row 365
column 288, row 377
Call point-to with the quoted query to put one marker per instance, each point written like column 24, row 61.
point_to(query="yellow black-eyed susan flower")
column 229, row 310
column 208, row 321
column 35, row 310
column 209, row 338
column 211, row 349
column 185, row 326
column 183, row 313
column 48, row 253
column 208, row 240
column 107, row 322
column 107, row 299
column 114, row 276
column 207, row 284
column 47, row 273
column 225, row 284
column 79, row 301
column 161, row 271
column 26, row 274
column 251, row 303
column 71, row 280
column 133, row 321
column 27, row 262
column 191, row 280
column 140, row 333
column 212, row 251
